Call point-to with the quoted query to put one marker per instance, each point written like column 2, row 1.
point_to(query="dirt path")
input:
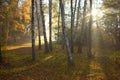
column 103, row 68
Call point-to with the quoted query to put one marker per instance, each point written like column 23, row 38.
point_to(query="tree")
column 78, row 14
column 10, row 22
column 44, row 28
column 77, row 20
column 0, row 53
column 82, row 28
column 70, row 59
column 89, row 32
column 72, row 25
column 38, row 24
column 73, row 10
column 111, row 15
column 59, row 23
column 50, row 24
column 33, row 35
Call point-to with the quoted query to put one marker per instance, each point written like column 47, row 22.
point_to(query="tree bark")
column 50, row 24
column 38, row 22
column 33, row 35
column 44, row 28
column 82, row 28
column 89, row 32
column 77, row 21
column 70, row 59
column 72, row 25
column 0, row 53
column 59, row 24
column 78, row 13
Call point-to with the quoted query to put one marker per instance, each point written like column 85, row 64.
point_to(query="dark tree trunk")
column 74, row 10
column 44, row 28
column 0, row 53
column 82, row 28
column 89, row 32
column 59, row 24
column 72, row 25
column 38, row 21
column 78, row 13
column 33, row 35
column 77, row 21
column 50, row 24
column 70, row 59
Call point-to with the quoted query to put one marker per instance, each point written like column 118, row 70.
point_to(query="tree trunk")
column 38, row 21
column 77, row 21
column 44, row 28
column 74, row 10
column 70, row 59
column 59, row 24
column 0, row 53
column 50, row 24
column 89, row 32
column 78, row 13
column 72, row 25
column 33, row 35
column 82, row 28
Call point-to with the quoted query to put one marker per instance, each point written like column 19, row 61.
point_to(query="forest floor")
column 53, row 65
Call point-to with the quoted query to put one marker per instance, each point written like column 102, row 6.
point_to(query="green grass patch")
column 50, row 66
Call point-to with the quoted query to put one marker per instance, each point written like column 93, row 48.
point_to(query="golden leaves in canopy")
column 18, row 26
column 26, row 10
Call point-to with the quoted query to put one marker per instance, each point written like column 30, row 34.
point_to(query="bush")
column 116, row 57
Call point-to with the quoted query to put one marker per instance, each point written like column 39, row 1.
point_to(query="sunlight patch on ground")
column 17, row 47
column 94, row 65
column 96, row 76
column 47, row 58
column 96, row 72
column 27, row 44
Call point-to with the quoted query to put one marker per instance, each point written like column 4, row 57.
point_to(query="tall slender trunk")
column 38, row 24
column 1, row 31
column 33, row 35
column 0, row 53
column 70, row 59
column 59, row 24
column 72, row 26
column 77, row 21
column 78, row 13
column 72, row 23
column 74, row 10
column 59, row 21
column 44, row 28
column 50, row 24
column 82, row 28
column 89, row 32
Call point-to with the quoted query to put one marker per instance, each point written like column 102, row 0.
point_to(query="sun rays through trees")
column 59, row 39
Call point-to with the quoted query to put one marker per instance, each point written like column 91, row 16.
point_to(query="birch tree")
column 70, row 58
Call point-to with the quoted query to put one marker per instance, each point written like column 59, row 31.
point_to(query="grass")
column 54, row 66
